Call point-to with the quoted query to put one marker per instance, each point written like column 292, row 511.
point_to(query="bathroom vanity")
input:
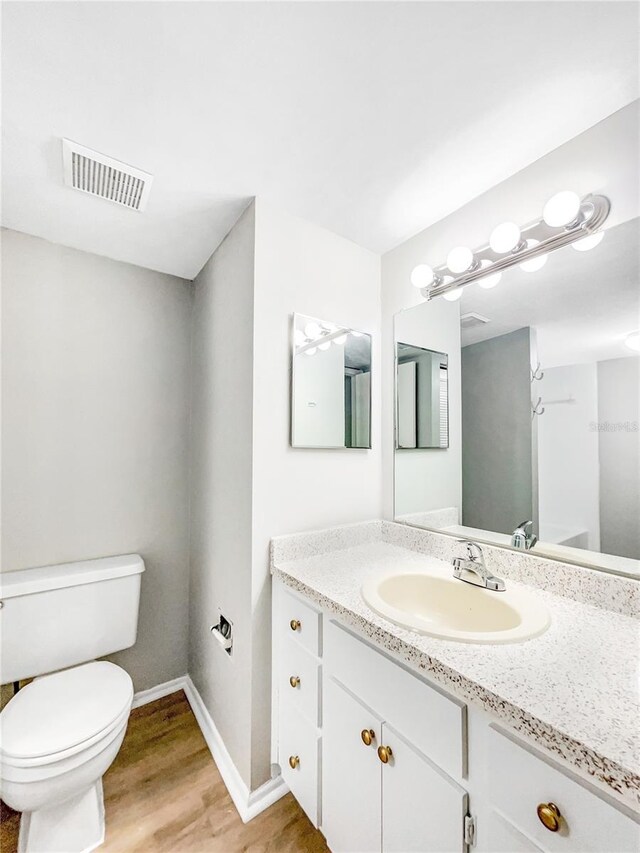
column 395, row 741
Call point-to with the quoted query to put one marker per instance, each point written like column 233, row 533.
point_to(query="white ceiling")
column 581, row 304
column 372, row 119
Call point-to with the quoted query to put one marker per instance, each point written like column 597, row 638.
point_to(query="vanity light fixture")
column 534, row 264
column 460, row 259
column 562, row 209
column 632, row 341
column 589, row 242
column 505, row 238
column 422, row 276
column 316, row 337
column 490, row 280
column 566, row 220
column 453, row 295
column 312, row 330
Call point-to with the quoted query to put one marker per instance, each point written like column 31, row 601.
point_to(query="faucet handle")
column 474, row 551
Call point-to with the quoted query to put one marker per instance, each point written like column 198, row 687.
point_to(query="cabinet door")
column 422, row 809
column 503, row 837
column 350, row 773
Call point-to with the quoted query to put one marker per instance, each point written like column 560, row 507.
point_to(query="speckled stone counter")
column 573, row 691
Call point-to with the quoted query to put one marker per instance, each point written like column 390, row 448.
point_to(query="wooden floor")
column 164, row 793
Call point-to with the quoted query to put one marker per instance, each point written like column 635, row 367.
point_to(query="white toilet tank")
column 58, row 616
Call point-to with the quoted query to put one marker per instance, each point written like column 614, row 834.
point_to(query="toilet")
column 61, row 732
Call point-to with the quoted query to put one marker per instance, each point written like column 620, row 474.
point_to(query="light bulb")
column 324, row 346
column 312, row 330
column 422, row 276
column 589, row 242
column 299, row 337
column 340, row 340
column 633, row 341
column 459, row 259
column 490, row 280
column 311, row 351
column 535, row 263
column 504, row 238
column 561, row 209
column 453, row 295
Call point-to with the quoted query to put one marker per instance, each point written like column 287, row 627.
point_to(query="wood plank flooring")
column 164, row 794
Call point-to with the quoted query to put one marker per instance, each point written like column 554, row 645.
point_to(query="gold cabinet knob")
column 294, row 762
column 368, row 736
column 385, row 753
column 294, row 681
column 550, row 816
column 295, row 624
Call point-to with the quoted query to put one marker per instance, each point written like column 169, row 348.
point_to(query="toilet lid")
column 59, row 711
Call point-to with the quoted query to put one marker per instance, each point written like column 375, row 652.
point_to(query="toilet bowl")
column 58, row 736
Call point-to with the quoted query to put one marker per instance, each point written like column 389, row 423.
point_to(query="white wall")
column 248, row 483
column 568, row 474
column 599, row 160
column 302, row 268
column 432, row 478
column 95, row 359
column 221, row 482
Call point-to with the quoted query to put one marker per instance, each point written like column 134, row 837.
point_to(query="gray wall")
column 221, row 485
column 498, row 479
column 95, row 381
column 619, row 452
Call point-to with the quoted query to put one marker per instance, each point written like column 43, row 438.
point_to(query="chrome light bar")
column 594, row 210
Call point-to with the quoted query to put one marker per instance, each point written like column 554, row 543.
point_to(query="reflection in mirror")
column 422, row 398
column 331, row 385
column 543, row 409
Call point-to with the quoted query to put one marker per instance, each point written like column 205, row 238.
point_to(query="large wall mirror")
column 543, row 391
column 330, row 385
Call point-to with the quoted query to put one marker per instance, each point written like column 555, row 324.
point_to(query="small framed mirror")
column 422, row 398
column 330, row 385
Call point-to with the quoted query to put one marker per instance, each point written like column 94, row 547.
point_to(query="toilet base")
column 74, row 826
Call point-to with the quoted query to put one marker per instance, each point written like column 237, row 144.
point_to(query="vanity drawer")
column 431, row 721
column 300, row 621
column 303, row 694
column 299, row 743
column 518, row 781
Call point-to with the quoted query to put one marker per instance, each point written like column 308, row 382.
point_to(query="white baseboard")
column 248, row 803
column 159, row 691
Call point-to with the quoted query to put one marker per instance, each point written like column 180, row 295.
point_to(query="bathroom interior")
column 320, row 446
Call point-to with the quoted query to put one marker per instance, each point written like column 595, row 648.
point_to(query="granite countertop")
column 573, row 690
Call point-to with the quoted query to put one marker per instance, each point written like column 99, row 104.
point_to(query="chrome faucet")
column 474, row 568
column 523, row 536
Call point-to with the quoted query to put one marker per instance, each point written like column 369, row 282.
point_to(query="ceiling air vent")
column 96, row 174
column 471, row 319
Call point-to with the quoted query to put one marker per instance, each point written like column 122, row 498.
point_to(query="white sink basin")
column 454, row 610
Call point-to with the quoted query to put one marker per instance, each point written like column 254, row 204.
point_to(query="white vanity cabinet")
column 384, row 761
column 399, row 802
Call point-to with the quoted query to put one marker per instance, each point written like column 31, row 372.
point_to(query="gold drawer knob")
column 550, row 816
column 385, row 753
column 294, row 681
column 294, row 762
column 295, row 624
column 368, row 736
